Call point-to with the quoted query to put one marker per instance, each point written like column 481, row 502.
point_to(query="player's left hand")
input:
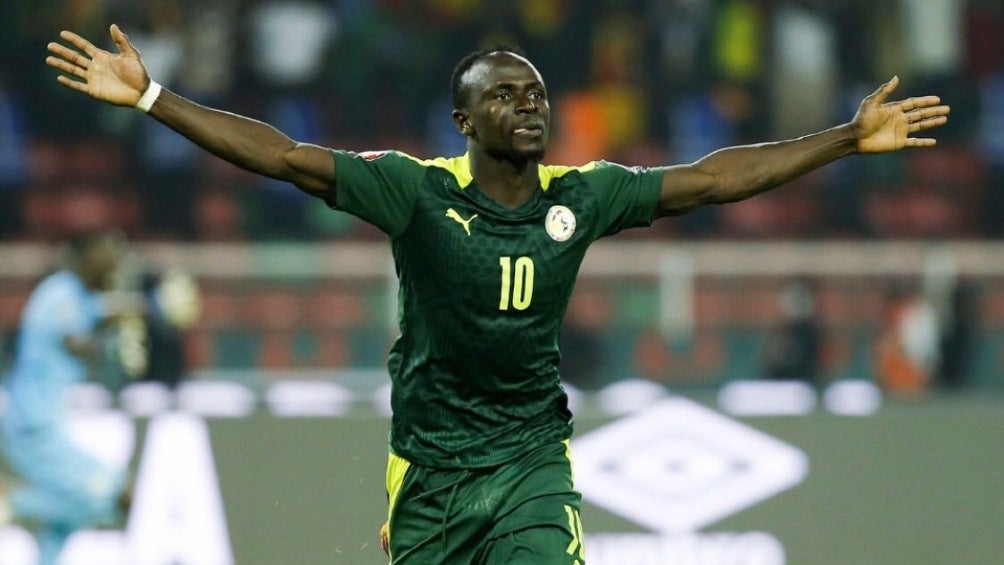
column 882, row 126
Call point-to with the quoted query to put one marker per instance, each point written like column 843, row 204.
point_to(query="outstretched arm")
column 121, row 79
column 737, row 173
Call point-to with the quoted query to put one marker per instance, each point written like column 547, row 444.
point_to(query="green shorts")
column 521, row 512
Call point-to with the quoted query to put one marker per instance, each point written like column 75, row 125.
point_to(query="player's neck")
column 509, row 183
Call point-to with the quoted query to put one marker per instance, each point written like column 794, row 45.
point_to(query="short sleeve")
column 626, row 196
column 378, row 187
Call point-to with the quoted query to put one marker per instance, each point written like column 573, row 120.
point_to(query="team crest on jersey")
column 559, row 223
column 372, row 155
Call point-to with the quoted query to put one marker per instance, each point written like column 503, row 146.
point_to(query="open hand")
column 882, row 126
column 114, row 78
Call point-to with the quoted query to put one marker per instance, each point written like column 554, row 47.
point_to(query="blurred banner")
column 672, row 481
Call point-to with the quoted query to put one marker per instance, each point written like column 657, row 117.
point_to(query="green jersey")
column 483, row 291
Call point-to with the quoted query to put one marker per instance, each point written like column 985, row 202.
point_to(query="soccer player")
column 63, row 488
column 486, row 246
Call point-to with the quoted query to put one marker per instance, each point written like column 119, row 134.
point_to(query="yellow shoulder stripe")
column 459, row 167
column 548, row 173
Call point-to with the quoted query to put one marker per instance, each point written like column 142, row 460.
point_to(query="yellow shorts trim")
column 397, row 467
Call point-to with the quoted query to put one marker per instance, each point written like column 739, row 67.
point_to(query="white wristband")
column 149, row 97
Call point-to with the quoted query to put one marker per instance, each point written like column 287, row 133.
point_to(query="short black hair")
column 465, row 64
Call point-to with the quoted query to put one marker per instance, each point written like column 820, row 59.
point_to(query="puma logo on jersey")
column 455, row 216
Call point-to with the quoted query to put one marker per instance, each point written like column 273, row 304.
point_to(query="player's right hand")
column 118, row 79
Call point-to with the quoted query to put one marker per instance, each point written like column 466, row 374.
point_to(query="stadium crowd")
column 641, row 82
column 635, row 81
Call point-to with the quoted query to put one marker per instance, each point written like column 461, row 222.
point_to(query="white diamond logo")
column 677, row 466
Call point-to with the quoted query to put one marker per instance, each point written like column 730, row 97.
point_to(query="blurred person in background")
column 173, row 307
column 487, row 247
column 908, row 346
column 60, row 343
column 958, row 331
column 793, row 347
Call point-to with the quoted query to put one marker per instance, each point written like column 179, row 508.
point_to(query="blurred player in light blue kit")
column 61, row 488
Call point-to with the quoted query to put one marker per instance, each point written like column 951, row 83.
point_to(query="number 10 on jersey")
column 517, row 283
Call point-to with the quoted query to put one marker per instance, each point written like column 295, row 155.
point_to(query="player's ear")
column 463, row 123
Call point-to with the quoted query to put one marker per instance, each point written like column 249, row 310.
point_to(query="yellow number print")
column 517, row 288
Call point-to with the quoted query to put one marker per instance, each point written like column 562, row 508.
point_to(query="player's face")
column 507, row 114
column 99, row 263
